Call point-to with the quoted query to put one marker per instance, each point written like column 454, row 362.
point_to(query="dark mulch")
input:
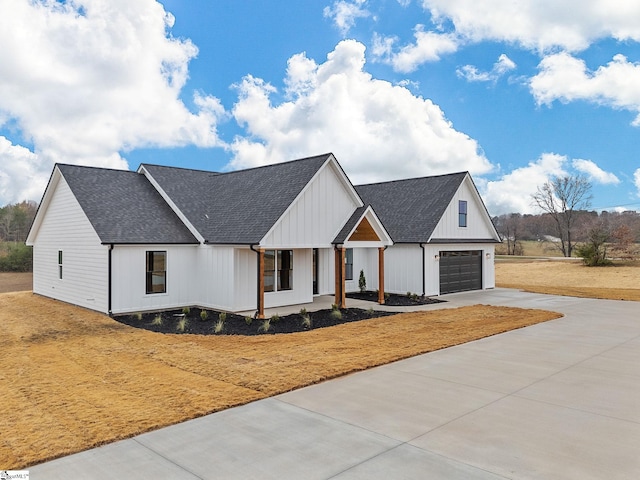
column 238, row 325
column 394, row 300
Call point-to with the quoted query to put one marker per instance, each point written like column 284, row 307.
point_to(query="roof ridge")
column 92, row 167
column 312, row 157
column 413, row 178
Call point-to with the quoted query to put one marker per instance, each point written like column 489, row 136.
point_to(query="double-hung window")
column 60, row 264
column 348, row 264
column 156, row 281
column 278, row 270
column 462, row 213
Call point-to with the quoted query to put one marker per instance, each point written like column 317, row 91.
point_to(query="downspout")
column 424, row 271
column 257, row 275
column 110, row 277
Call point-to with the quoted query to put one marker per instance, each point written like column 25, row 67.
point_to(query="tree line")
column 569, row 226
column 15, row 221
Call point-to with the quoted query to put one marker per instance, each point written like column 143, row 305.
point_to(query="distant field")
column 15, row 282
column 533, row 248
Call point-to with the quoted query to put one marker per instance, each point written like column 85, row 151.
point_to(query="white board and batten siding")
column 316, row 216
column 128, row 263
column 66, row 228
column 478, row 221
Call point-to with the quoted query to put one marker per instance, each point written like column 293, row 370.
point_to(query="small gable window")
column 348, row 264
column 462, row 213
column 278, row 270
column 156, row 272
column 60, row 264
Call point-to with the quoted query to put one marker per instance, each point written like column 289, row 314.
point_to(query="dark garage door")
column 460, row 271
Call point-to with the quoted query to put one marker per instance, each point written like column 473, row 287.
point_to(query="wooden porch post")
column 343, row 276
column 381, row 275
column 340, row 298
column 260, row 313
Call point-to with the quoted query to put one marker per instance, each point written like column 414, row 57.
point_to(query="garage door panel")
column 460, row 271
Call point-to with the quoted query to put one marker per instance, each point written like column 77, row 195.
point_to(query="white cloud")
column 378, row 131
column 566, row 78
column 512, row 192
column 20, row 178
column 428, row 47
column 540, row 24
column 344, row 13
column 636, row 180
column 501, row 67
column 594, row 172
column 87, row 79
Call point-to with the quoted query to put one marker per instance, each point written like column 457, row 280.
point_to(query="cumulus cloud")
column 344, row 13
column 378, row 131
column 428, row 47
column 539, row 25
column 594, row 172
column 501, row 67
column 566, row 78
column 20, row 176
column 512, row 192
column 87, row 80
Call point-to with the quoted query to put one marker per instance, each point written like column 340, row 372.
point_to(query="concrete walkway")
column 558, row 400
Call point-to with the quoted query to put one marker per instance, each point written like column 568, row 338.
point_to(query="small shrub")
column 204, row 315
column 336, row 314
column 248, row 320
column 334, row 306
column 182, row 324
column 414, row 296
column 265, row 326
column 370, row 311
column 408, row 294
column 157, row 320
column 138, row 316
column 386, row 296
column 219, row 326
column 222, row 317
column 362, row 282
column 303, row 311
column 275, row 318
column 306, row 321
column 186, row 310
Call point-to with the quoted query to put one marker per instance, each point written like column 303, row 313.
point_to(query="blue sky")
column 513, row 92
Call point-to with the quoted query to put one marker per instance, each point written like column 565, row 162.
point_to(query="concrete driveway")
column 558, row 400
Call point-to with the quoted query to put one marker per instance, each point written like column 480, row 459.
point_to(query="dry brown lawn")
column 572, row 278
column 73, row 379
column 15, row 282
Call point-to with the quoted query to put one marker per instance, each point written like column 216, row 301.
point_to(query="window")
column 60, row 264
column 348, row 263
column 278, row 265
column 462, row 213
column 156, row 272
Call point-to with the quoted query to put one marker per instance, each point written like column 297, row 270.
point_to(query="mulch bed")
column 239, row 325
column 393, row 299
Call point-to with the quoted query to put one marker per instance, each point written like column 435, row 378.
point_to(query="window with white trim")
column 156, row 279
column 348, row 264
column 462, row 213
column 278, row 270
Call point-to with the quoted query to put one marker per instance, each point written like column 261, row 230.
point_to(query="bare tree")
column 508, row 226
column 562, row 198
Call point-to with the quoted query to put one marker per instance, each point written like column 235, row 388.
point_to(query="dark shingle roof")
column 341, row 237
column 123, row 206
column 411, row 209
column 237, row 207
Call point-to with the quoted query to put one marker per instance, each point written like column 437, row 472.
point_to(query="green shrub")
column 275, row 318
column 222, row 317
column 16, row 257
column 157, row 320
column 362, row 282
column 336, row 314
column 248, row 320
column 204, row 315
column 138, row 316
column 186, row 310
column 306, row 321
column 303, row 311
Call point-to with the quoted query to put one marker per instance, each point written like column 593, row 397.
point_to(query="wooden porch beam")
column 340, row 273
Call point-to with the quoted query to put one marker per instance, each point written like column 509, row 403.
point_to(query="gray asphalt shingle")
column 411, row 209
column 237, row 207
column 123, row 207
